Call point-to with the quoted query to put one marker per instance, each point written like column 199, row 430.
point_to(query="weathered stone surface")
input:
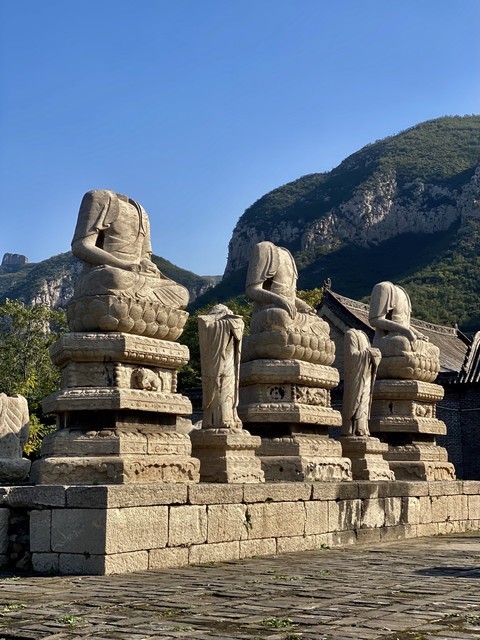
column 46, row 563
column 282, row 325
column 39, row 496
column 272, row 372
column 167, row 558
column 470, row 486
column 306, row 468
column 227, row 455
column 369, row 535
column 120, row 288
column 393, row 512
column 339, row 539
column 41, row 531
column 111, row 399
column 445, row 488
column 79, row 531
column 474, row 507
column 215, row 494
column 366, row 455
column 220, row 552
column 422, row 470
column 136, row 528
column 187, row 525
column 116, row 347
column 123, row 562
column 258, row 547
column 439, row 508
column 72, row 563
column 411, row 510
column 111, row 496
column 360, row 370
column 316, row 518
column 296, row 543
column 14, row 429
column 98, row 531
column 4, row 523
column 276, row 519
column 278, row 492
column 344, row 514
column 403, row 415
column 116, row 469
column 338, row 490
column 227, row 522
column 406, row 353
column 373, row 514
column 425, row 510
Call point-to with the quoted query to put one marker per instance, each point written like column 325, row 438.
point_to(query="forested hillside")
column 406, row 208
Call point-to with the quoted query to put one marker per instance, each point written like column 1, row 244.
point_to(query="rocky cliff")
column 420, row 181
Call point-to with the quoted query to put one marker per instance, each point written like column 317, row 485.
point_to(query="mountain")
column 406, row 208
column 51, row 281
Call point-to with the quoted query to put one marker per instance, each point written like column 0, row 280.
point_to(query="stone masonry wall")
column 119, row 529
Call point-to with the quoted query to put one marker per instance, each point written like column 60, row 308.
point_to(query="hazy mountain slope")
column 51, row 281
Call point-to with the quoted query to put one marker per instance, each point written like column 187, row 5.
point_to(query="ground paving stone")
column 424, row 589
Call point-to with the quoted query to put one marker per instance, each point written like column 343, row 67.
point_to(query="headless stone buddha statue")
column 406, row 352
column 282, row 326
column 220, row 336
column 121, row 289
column 360, row 369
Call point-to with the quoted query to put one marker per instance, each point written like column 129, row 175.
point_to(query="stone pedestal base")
column 227, row 456
column 287, row 403
column 403, row 416
column 13, row 471
column 304, row 458
column 115, row 457
column 367, row 457
column 120, row 419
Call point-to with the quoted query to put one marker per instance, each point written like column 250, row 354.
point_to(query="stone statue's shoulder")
column 99, row 194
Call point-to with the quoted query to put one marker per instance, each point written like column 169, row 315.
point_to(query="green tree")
column 26, row 334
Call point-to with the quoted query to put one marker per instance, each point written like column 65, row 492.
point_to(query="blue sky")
column 196, row 108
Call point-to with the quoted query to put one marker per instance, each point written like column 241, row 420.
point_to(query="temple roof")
column 452, row 343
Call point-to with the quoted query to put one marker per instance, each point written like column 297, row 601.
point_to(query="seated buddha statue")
column 406, row 352
column 282, row 325
column 120, row 288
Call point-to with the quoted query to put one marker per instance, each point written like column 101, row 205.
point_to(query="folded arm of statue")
column 87, row 250
column 390, row 326
column 303, row 307
column 258, row 294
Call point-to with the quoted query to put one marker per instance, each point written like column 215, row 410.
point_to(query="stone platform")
column 404, row 417
column 287, row 403
column 119, row 416
column 120, row 529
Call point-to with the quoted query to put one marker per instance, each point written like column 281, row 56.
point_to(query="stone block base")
column 280, row 396
column 119, row 529
column 303, row 458
column 306, row 469
column 367, row 458
column 422, row 470
column 404, row 417
column 115, row 457
column 13, row 471
column 227, row 456
column 120, row 419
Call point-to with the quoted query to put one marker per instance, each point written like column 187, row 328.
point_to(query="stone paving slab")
column 423, row 589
